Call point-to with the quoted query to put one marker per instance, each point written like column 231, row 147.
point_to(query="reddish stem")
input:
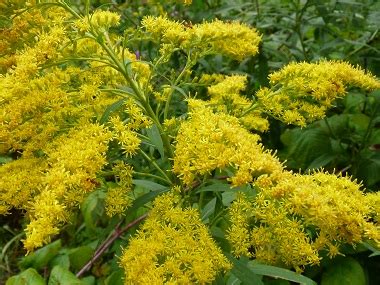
column 107, row 243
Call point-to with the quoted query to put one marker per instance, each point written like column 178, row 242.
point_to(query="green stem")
column 185, row 68
column 140, row 95
column 167, row 179
column 299, row 15
column 152, row 176
column 251, row 108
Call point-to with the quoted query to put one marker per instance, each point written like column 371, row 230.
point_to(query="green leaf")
column 62, row 276
column 148, row 197
column 62, row 260
column 277, row 282
column 27, row 277
column 5, row 159
column 243, row 272
column 303, row 146
column 209, row 209
column 359, row 122
column 375, row 252
column 279, row 273
column 89, row 280
column 80, row 256
column 321, row 161
column 217, row 187
column 110, row 109
column 116, row 278
column 369, row 168
column 155, row 137
column 345, row 270
column 92, row 208
column 41, row 257
column 149, row 185
column 228, row 197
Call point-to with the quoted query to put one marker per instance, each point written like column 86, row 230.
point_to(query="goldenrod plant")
column 93, row 129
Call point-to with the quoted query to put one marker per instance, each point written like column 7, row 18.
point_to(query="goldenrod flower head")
column 272, row 226
column 172, row 246
column 209, row 79
column 123, row 173
column 301, row 93
column 74, row 159
column 20, row 181
column 233, row 84
column 330, row 203
column 137, row 120
column 373, row 200
column 162, row 29
column 104, row 20
column 209, row 141
column 225, row 96
column 234, row 39
column 82, row 25
column 46, row 216
column 264, row 231
column 125, row 135
column 117, row 200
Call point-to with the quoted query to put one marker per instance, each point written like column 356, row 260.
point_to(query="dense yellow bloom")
column 24, row 29
column 74, row 160
column 225, row 96
column 273, row 227
column 104, row 19
column 20, row 181
column 165, row 30
column 118, row 199
column 302, row 92
column 209, row 141
column 123, row 173
column 234, row 39
column 173, row 246
column 126, row 137
column 373, row 199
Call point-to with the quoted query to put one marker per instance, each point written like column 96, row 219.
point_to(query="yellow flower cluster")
column 34, row 110
column 172, row 247
column 373, row 200
column 118, row 198
column 74, row 159
column 20, row 181
column 45, row 115
column 295, row 216
column 302, row 92
column 234, row 39
column 226, row 98
column 104, row 19
column 25, row 28
column 125, row 131
column 209, row 141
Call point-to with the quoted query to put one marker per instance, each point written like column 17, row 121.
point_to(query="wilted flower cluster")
column 301, row 93
column 172, row 246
